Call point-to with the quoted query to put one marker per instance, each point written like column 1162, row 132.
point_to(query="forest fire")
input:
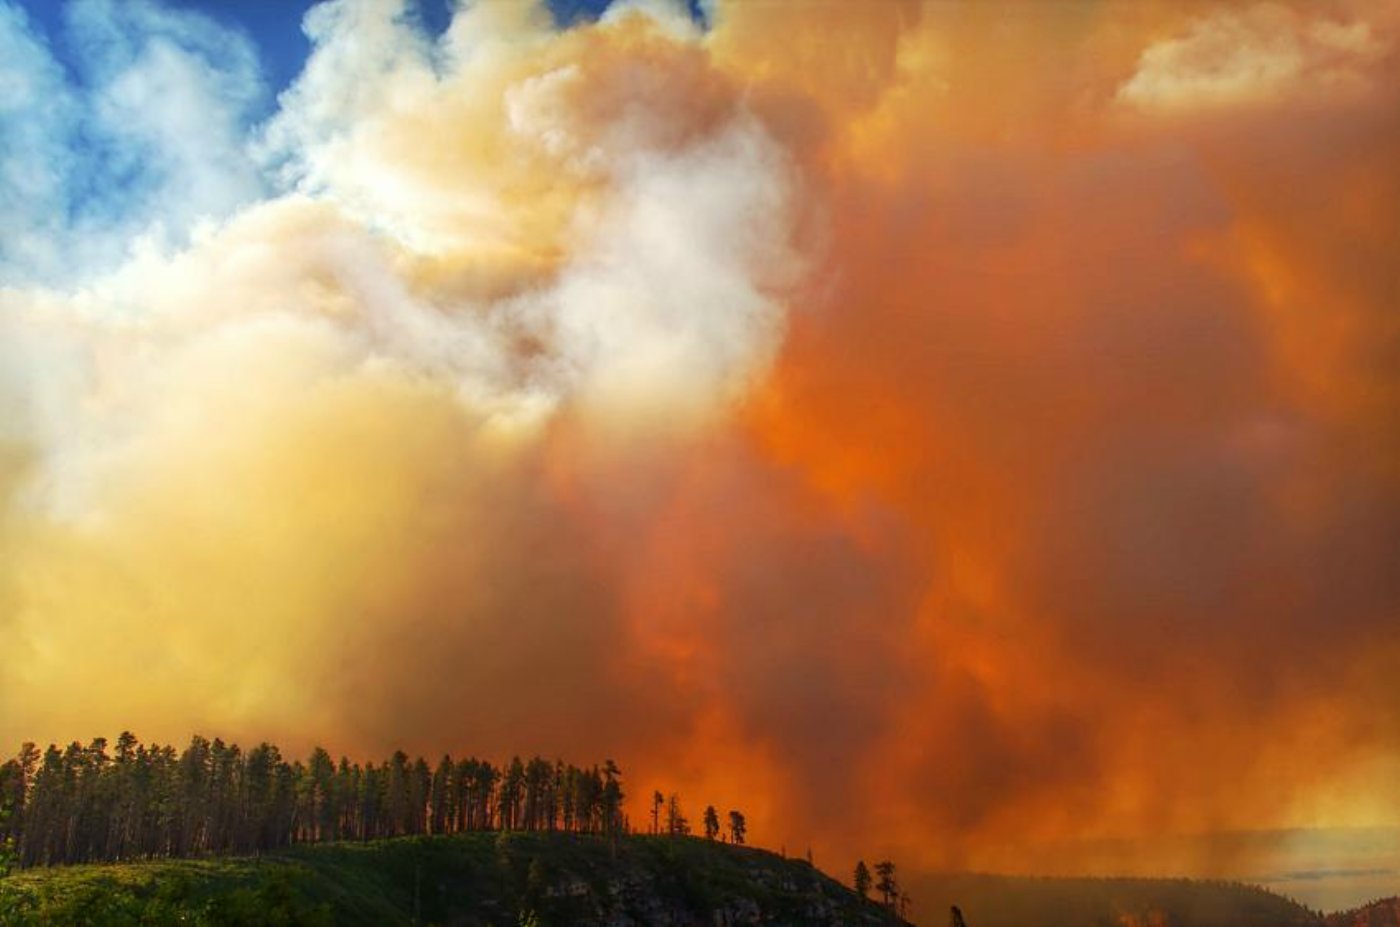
column 969, row 442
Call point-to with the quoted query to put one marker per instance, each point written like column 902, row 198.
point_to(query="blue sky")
column 121, row 118
column 275, row 25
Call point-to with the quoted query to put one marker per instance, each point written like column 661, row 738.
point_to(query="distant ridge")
column 1382, row 913
column 1030, row 901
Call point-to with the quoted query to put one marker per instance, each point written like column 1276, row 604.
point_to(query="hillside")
column 1017, row 901
column 465, row 880
column 1382, row 913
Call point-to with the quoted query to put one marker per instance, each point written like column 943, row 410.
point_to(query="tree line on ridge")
column 88, row 804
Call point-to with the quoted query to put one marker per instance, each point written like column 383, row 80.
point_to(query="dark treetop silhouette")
column 86, row 804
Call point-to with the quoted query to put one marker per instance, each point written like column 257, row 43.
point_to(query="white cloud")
column 146, row 141
column 673, row 301
column 420, row 174
column 37, row 114
column 1251, row 55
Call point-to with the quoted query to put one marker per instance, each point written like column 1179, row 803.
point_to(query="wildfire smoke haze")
column 974, row 427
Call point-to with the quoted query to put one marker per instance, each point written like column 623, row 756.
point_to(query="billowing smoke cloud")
column 332, row 428
column 963, row 437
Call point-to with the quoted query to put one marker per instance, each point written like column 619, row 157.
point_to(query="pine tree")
column 79, row 803
column 738, row 827
column 320, row 806
column 862, row 879
column 511, row 793
column 886, row 884
column 612, row 799
column 441, row 797
column 676, row 823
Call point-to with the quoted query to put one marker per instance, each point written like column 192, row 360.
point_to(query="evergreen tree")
column 82, row 803
column 420, row 783
column 862, row 879
column 7, row 814
column 676, row 823
column 711, row 822
column 11, row 799
column 738, row 827
column 886, row 883
column 441, row 797
column 320, row 805
column 511, row 795
column 612, row 799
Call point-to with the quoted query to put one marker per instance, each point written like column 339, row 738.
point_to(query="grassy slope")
column 470, row 880
column 476, row 880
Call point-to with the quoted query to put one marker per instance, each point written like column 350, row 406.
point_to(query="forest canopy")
column 137, row 801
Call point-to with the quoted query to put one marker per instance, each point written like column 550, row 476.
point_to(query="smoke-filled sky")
column 939, row 430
